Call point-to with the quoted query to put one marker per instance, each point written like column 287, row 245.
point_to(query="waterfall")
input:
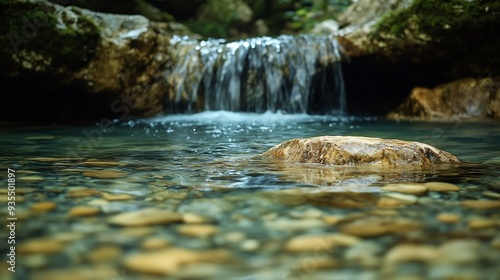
column 291, row 74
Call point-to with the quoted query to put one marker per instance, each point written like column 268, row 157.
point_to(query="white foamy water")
column 221, row 116
column 295, row 74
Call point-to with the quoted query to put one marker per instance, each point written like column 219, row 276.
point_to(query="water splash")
column 292, row 74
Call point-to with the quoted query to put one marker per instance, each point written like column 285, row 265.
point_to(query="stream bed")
column 189, row 197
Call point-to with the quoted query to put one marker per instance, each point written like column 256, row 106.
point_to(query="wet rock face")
column 354, row 151
column 462, row 99
column 399, row 27
column 360, row 36
column 465, row 33
column 428, row 42
column 118, row 57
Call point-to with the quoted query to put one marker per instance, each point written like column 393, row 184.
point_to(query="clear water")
column 213, row 154
column 218, row 148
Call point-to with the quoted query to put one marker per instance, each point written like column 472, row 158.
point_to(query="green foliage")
column 217, row 17
column 310, row 13
column 224, row 9
column 209, row 29
column 281, row 16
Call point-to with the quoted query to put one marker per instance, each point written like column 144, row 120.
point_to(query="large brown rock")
column 354, row 151
column 394, row 46
column 465, row 34
column 81, row 60
column 462, row 99
column 360, row 35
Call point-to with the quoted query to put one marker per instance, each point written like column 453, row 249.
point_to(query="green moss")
column 464, row 32
column 444, row 19
column 33, row 26
column 209, row 29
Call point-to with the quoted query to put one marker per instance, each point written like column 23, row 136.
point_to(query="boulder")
column 360, row 151
column 67, row 60
column 325, row 27
column 467, row 99
column 396, row 46
column 135, row 7
column 363, row 12
column 463, row 34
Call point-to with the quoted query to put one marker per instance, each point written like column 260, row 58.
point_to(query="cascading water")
column 291, row 74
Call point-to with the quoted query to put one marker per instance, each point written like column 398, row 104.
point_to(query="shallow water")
column 206, row 164
column 199, row 149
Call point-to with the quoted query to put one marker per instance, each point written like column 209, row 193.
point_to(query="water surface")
column 206, row 164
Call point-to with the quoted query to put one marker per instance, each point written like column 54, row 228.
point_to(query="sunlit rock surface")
column 462, row 99
column 354, row 151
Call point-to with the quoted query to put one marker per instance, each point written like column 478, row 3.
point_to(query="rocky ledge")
column 398, row 45
column 354, row 151
column 65, row 62
column 463, row 33
column 465, row 99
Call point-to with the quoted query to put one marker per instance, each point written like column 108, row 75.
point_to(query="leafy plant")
column 309, row 13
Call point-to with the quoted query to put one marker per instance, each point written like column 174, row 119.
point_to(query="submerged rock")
column 167, row 261
column 354, row 151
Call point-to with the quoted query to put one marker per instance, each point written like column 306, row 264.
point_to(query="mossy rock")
column 453, row 27
column 464, row 35
column 40, row 36
column 66, row 62
column 450, row 19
